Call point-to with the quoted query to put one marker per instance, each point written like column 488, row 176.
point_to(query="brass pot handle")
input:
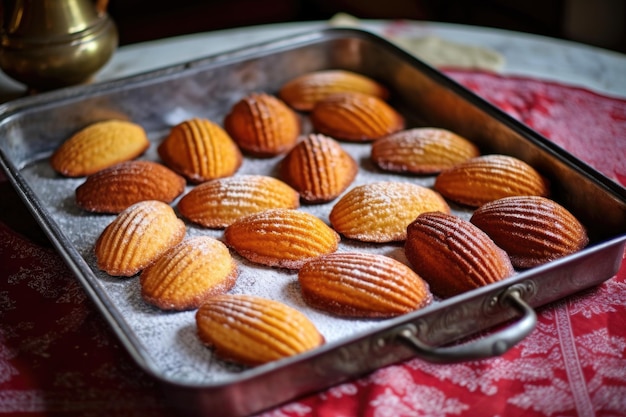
column 493, row 345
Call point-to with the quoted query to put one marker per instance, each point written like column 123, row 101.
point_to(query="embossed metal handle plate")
column 493, row 345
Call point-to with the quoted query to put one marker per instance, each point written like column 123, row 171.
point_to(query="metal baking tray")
column 165, row 344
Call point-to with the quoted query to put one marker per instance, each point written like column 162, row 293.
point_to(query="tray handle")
column 493, row 345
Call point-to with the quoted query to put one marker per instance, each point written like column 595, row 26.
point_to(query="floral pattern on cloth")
column 57, row 354
column 58, row 357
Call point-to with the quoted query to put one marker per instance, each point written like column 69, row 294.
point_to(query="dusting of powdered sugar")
column 170, row 340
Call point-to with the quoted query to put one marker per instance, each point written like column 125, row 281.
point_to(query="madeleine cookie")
column 303, row 92
column 453, row 255
column 200, row 150
column 355, row 117
column 137, row 237
column 251, row 330
column 283, row 238
column 99, row 146
column 422, row 151
column 188, row 274
column 118, row 187
column 490, row 177
column 218, row 203
column 318, row 168
column 262, row 125
column 532, row 230
column 362, row 285
column 381, row 211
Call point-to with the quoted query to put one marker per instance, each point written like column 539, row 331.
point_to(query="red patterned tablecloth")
column 58, row 357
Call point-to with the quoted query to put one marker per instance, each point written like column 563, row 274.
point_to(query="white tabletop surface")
column 571, row 63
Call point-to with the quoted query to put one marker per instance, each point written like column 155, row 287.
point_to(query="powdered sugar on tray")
column 169, row 339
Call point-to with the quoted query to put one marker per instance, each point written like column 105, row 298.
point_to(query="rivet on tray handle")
column 493, row 345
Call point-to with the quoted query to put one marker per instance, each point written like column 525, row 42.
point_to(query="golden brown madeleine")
column 303, row 92
column 283, row 238
column 381, row 211
column 490, row 177
column 362, row 285
column 137, row 237
column 99, row 146
column 218, row 203
column 118, row 187
column 200, row 150
column 262, row 125
column 423, row 150
column 532, row 230
column 355, row 117
column 188, row 274
column 251, row 330
column 453, row 255
column 318, row 168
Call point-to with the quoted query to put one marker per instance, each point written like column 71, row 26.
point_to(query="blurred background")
column 594, row 22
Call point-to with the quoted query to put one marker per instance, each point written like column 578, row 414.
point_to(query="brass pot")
column 48, row 44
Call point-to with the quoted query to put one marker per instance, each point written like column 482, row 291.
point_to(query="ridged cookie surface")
column 453, row 255
column 283, row 238
column 188, row 274
column 200, row 150
column 118, row 187
column 137, row 237
column 364, row 285
column 532, row 230
column 381, row 211
column 262, row 125
column 218, row 203
column 355, row 117
column 99, row 146
column 303, row 92
column 318, row 168
column 251, row 330
column 422, row 151
column 490, row 177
